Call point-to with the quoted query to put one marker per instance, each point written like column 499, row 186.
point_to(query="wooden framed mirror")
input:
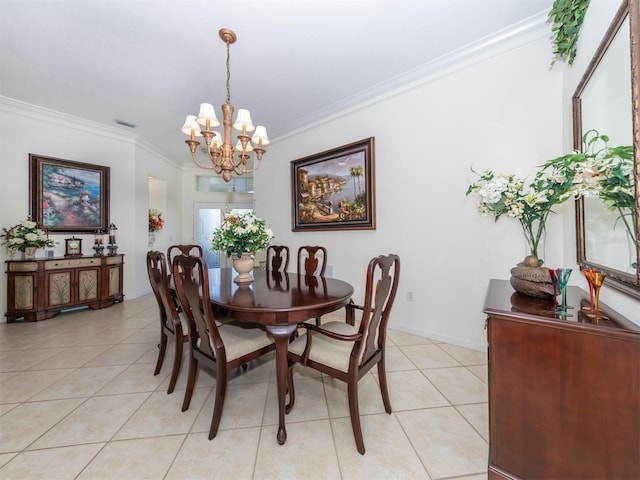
column 607, row 100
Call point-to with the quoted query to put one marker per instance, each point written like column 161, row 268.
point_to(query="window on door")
column 208, row 217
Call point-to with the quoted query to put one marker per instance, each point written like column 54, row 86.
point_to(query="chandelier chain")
column 228, row 75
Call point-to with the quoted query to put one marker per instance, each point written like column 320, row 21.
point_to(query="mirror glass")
column 603, row 102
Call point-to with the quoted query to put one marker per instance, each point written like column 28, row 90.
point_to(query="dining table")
column 279, row 301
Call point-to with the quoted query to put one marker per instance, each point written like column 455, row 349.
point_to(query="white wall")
column 28, row 129
column 149, row 163
column 503, row 113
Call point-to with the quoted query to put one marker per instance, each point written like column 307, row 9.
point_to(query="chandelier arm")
column 215, row 155
column 240, row 170
column 195, row 160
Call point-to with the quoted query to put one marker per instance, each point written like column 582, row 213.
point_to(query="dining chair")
column 278, row 258
column 347, row 352
column 186, row 249
column 170, row 323
column 219, row 347
column 195, row 250
column 312, row 260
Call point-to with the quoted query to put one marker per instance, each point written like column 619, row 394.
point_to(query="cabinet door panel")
column 88, row 284
column 23, row 296
column 59, row 288
column 114, row 281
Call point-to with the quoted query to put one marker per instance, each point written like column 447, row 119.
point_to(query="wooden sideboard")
column 564, row 394
column 40, row 289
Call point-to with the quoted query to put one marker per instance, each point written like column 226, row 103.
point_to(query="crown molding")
column 43, row 114
column 53, row 117
column 495, row 45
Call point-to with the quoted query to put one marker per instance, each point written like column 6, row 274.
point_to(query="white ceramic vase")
column 243, row 265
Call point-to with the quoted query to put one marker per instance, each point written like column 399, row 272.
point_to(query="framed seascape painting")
column 68, row 196
column 335, row 190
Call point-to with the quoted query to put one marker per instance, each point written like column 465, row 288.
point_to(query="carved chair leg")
column 382, row 377
column 177, row 361
column 352, row 392
column 162, row 349
column 221, row 388
column 191, row 381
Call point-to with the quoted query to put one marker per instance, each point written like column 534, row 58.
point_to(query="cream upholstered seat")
column 347, row 352
column 326, row 350
column 221, row 348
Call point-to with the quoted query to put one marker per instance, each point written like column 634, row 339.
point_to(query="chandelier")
column 222, row 153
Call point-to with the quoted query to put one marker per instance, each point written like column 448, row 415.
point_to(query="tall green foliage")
column 566, row 17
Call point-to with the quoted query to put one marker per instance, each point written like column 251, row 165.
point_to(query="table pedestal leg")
column 281, row 335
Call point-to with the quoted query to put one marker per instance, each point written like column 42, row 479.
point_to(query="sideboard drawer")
column 72, row 263
column 23, row 266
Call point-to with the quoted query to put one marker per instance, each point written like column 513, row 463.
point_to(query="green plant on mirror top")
column 566, row 17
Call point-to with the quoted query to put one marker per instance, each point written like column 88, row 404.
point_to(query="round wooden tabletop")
column 277, row 297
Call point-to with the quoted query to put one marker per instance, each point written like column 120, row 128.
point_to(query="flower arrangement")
column 502, row 194
column 602, row 171
column 23, row 235
column 156, row 222
column 598, row 170
column 241, row 234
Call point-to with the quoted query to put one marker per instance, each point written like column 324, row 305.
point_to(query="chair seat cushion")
column 223, row 319
column 325, row 350
column 239, row 341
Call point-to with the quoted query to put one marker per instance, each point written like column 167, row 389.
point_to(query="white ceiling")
column 151, row 62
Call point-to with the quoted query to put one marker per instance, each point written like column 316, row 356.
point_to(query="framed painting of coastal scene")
column 335, row 190
column 68, row 196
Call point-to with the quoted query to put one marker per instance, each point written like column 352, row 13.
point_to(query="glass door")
column 208, row 217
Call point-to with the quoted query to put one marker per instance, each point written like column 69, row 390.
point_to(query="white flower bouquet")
column 23, row 235
column 241, row 234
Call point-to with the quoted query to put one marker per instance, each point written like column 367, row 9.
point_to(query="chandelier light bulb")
column 243, row 121
column 191, row 127
column 260, row 136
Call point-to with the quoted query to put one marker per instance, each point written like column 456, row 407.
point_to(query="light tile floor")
column 78, row 400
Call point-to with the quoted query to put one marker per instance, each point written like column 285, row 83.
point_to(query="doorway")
column 208, row 217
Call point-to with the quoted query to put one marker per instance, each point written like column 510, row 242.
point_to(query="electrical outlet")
column 409, row 296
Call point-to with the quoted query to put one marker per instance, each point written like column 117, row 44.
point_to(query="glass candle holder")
column 588, row 274
column 598, row 280
column 563, row 275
